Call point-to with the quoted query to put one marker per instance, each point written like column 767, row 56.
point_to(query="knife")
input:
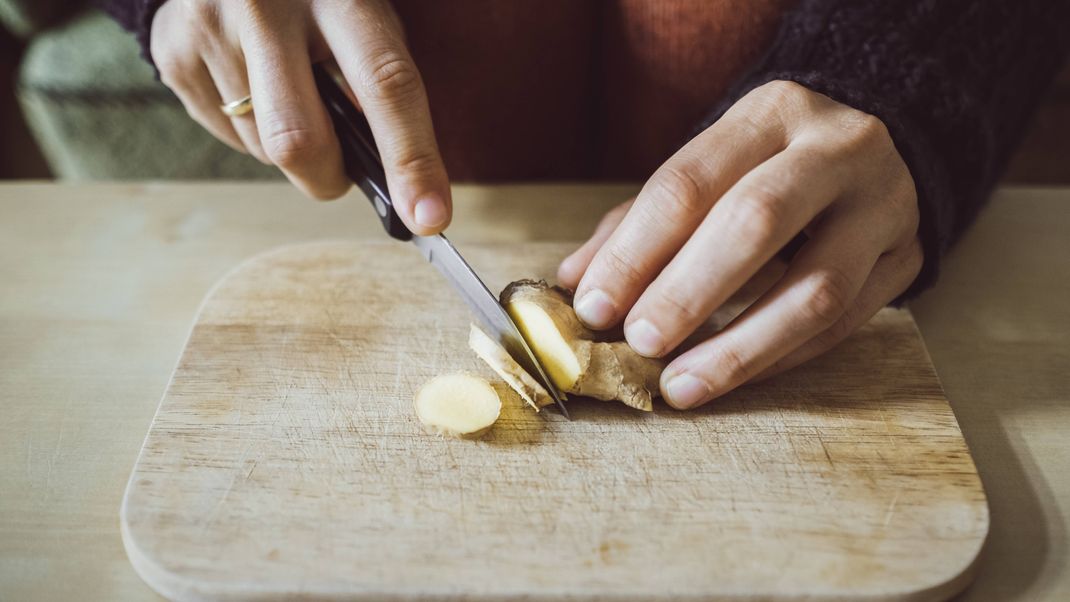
column 364, row 166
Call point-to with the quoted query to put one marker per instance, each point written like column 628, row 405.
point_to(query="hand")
column 211, row 51
column 782, row 160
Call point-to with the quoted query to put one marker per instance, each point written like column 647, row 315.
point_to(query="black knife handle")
column 360, row 156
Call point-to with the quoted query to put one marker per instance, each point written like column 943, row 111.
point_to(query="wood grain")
column 100, row 285
column 285, row 461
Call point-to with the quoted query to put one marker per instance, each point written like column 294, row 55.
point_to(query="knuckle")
column 757, row 216
column 730, row 366
column 786, row 98
column 622, row 267
column 254, row 10
column 677, row 310
column 867, row 125
column 389, row 74
column 676, row 192
column 783, row 90
column 829, row 296
column 289, row 146
column 199, row 20
column 420, row 161
column 862, row 131
column 200, row 13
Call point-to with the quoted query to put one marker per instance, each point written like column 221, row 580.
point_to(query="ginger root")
column 457, row 405
column 576, row 359
column 506, row 367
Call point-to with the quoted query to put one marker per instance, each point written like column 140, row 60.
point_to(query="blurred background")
column 78, row 102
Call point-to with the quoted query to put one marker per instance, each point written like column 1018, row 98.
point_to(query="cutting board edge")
column 161, row 580
column 173, row 585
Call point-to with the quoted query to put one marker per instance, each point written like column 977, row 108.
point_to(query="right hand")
column 215, row 51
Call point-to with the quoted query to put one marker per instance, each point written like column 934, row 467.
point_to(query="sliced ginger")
column 506, row 367
column 574, row 357
column 458, row 405
column 545, row 338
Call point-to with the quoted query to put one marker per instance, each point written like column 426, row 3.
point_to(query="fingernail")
column 595, row 309
column 430, row 213
column 685, row 391
column 645, row 338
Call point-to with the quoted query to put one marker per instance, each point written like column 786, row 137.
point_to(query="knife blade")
column 445, row 257
column 364, row 166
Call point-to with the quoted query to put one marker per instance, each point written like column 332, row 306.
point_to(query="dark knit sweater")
column 955, row 82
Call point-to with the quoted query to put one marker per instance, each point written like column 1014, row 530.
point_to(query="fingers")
column 369, row 46
column 666, row 213
column 183, row 70
column 891, row 275
column 291, row 122
column 265, row 50
column 757, row 217
column 574, row 266
column 820, row 286
column 201, row 100
column 229, row 73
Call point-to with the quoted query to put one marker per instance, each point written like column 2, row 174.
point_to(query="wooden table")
column 99, row 285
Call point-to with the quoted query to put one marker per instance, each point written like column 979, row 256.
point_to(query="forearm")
column 954, row 81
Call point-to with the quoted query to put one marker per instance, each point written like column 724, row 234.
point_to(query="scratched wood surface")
column 285, row 461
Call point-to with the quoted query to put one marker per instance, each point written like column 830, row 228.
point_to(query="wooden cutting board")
column 285, row 461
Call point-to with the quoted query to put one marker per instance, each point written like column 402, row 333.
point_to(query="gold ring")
column 238, row 107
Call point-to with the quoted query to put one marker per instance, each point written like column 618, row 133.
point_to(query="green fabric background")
column 97, row 112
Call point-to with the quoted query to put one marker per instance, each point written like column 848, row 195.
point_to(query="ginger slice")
column 457, row 405
column 507, row 368
column 573, row 356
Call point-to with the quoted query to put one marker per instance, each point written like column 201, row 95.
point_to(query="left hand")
column 782, row 160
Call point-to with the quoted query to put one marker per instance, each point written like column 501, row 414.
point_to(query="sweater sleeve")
column 954, row 81
column 136, row 17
